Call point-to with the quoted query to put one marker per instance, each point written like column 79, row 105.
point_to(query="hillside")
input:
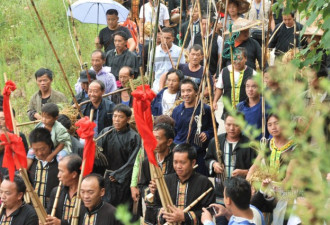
column 24, row 47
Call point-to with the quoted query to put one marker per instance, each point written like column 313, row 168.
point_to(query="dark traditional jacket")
column 104, row 113
column 183, row 194
column 244, row 156
column 24, row 215
column 44, row 179
column 64, row 207
column 120, row 149
column 167, row 168
column 102, row 214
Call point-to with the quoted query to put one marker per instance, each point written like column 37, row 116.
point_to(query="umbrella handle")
column 98, row 11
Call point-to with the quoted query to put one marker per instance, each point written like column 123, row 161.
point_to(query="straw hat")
column 243, row 6
column 243, row 24
column 313, row 30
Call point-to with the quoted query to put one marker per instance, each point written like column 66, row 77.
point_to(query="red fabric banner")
column 9, row 87
column 86, row 131
column 15, row 155
column 143, row 118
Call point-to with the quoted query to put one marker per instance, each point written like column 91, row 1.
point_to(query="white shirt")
column 163, row 64
column 168, row 101
column 151, row 16
column 257, row 217
column 219, row 84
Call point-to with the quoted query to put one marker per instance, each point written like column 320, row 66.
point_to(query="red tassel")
column 86, row 131
column 15, row 155
column 9, row 87
column 143, row 118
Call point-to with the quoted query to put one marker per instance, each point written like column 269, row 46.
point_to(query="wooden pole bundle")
column 56, row 199
column 40, row 210
column 58, row 60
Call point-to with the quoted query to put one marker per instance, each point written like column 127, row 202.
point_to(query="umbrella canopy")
column 93, row 11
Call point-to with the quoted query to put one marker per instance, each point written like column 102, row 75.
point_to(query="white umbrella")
column 93, row 11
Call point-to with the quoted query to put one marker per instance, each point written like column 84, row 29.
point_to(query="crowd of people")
column 192, row 155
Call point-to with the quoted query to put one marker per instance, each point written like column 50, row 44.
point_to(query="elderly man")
column 46, row 94
column 103, row 107
column 184, row 187
column 105, row 38
column 68, row 174
column 102, row 73
column 120, row 56
column 124, row 97
column 95, row 210
column 244, row 40
column 15, row 210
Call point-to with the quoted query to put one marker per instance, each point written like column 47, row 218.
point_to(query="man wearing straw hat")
column 14, row 211
column 69, row 171
column 185, row 186
column 244, row 40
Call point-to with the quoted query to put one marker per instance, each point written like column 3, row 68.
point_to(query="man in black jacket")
column 15, row 210
column 164, row 135
column 235, row 155
column 236, row 158
column 103, row 107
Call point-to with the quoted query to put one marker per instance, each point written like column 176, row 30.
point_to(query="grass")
column 24, row 48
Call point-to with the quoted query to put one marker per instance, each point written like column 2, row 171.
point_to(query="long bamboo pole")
column 197, row 200
column 56, row 199
column 223, row 34
column 151, row 78
column 28, row 123
column 185, row 36
column 75, row 34
column 58, row 60
column 263, row 55
column 233, row 95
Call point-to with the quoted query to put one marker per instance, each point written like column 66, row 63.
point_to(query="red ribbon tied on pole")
column 9, row 87
column 15, row 155
column 86, row 131
column 143, row 118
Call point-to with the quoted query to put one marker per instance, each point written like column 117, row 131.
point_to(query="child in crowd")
column 59, row 134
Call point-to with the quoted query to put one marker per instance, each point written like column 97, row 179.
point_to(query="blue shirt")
column 253, row 115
